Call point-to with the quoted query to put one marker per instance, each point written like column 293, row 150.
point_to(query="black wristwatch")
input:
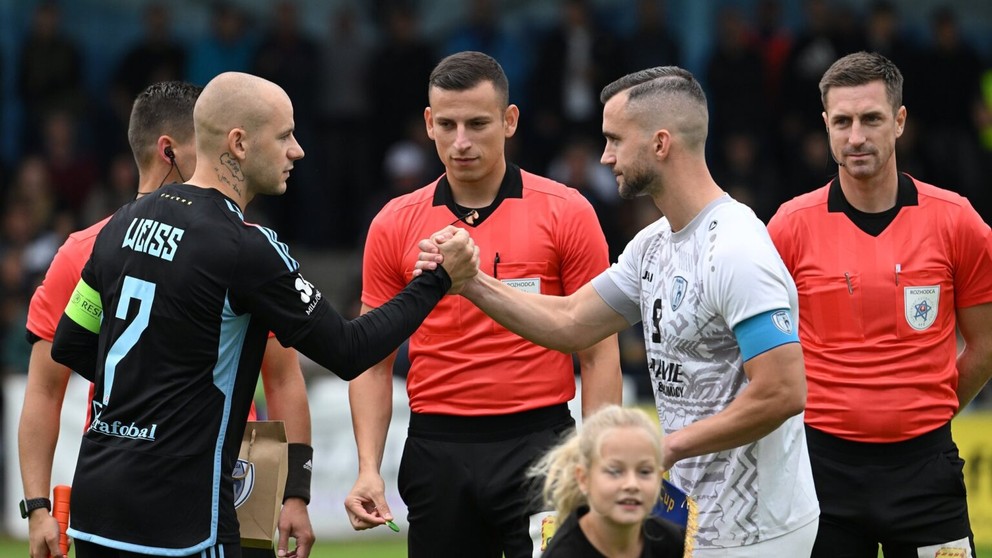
column 28, row 506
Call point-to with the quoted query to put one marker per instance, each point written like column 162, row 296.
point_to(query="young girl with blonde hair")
column 603, row 482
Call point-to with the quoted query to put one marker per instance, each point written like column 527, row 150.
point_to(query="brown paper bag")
column 260, row 481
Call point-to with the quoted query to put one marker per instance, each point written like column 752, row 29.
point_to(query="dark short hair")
column 464, row 70
column 669, row 78
column 861, row 68
column 162, row 108
column 668, row 90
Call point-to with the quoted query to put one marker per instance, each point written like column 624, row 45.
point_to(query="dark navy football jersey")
column 189, row 292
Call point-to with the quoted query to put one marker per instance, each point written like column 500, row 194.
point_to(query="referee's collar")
column 905, row 195
column 512, row 186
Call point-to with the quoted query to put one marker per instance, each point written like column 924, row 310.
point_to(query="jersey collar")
column 512, row 186
column 872, row 223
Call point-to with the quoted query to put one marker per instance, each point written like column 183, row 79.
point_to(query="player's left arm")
column 975, row 360
column 286, row 400
column 77, row 336
column 776, row 391
column 751, row 290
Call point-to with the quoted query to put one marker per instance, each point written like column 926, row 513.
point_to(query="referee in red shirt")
column 887, row 268
column 485, row 403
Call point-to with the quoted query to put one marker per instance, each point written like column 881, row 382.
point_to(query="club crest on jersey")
column 921, row 306
column 244, row 481
column 679, row 286
column 783, row 321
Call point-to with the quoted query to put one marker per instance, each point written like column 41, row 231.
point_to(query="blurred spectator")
column 744, row 173
column 735, row 77
column 483, row 31
column 849, row 33
column 114, row 192
column 228, row 47
column 32, row 186
column 950, row 139
column 811, row 164
column 651, row 44
column 400, row 66
column 576, row 59
column 50, row 74
column 774, row 41
column 287, row 57
column 14, row 349
column 408, row 164
column 28, row 242
column 74, row 171
column 155, row 57
column 578, row 166
column 883, row 35
column 814, row 50
column 344, row 145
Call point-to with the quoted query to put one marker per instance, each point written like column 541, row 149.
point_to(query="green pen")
column 393, row 526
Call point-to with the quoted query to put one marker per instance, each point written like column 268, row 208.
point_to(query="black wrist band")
column 300, row 471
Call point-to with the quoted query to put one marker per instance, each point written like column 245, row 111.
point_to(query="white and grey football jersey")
column 690, row 289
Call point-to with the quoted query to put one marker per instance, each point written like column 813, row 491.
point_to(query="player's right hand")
column 43, row 535
column 366, row 503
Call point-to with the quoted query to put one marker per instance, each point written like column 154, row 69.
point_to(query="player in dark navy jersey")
column 160, row 133
column 170, row 320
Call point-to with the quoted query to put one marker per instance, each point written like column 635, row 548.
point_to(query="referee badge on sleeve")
column 921, row 305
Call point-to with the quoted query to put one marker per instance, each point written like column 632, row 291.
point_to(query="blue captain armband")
column 85, row 307
column 765, row 331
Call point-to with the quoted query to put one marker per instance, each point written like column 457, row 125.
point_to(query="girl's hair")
column 581, row 448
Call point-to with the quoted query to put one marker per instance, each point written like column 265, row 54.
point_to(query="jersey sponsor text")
column 121, row 430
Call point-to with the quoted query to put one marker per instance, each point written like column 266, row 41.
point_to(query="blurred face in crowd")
column 470, row 129
column 863, row 128
column 623, row 483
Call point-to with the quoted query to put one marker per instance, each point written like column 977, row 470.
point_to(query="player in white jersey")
column 704, row 287
column 719, row 311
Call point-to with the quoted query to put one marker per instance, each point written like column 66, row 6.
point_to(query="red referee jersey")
column 877, row 314
column 548, row 240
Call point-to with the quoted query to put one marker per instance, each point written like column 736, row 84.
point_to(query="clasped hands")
column 454, row 250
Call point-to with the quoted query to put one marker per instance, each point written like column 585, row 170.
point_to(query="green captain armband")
column 85, row 307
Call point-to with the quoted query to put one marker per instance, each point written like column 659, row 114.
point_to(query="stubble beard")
column 636, row 183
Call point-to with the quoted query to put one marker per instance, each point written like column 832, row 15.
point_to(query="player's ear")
column 662, row 143
column 429, row 122
column 510, row 118
column 237, row 142
column 900, row 120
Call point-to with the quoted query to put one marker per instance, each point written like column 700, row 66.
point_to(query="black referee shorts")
column 464, row 481
column 909, row 497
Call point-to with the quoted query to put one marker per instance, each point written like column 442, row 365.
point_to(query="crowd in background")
column 359, row 98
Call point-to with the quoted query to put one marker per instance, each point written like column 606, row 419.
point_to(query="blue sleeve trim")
column 765, row 331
